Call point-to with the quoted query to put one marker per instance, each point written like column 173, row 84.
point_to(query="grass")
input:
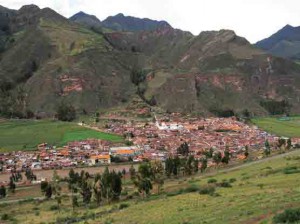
column 290, row 128
column 265, row 192
column 26, row 135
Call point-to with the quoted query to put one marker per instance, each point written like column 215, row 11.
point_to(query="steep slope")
column 60, row 61
column 213, row 72
column 48, row 59
column 284, row 43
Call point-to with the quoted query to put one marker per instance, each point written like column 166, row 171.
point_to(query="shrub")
column 123, row 205
column 224, row 183
column 5, row 217
column 170, row 194
column 291, row 170
column 53, row 207
column 66, row 112
column 232, row 180
column 212, row 181
column 288, row 216
column 210, row 190
column 191, row 188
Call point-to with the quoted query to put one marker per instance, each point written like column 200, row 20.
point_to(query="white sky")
column 253, row 19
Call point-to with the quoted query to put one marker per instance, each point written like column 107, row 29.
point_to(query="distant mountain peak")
column 31, row 7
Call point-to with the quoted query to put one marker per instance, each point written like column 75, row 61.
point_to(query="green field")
column 288, row 128
column 262, row 189
column 26, row 135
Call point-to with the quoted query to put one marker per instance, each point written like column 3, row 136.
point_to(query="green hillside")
column 26, row 135
column 256, row 193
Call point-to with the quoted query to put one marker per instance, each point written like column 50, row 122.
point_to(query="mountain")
column 120, row 22
column 284, row 43
column 87, row 20
column 47, row 59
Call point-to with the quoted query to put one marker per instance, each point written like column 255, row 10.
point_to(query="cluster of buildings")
column 154, row 140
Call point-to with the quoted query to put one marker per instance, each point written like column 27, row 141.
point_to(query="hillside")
column 256, row 193
column 47, row 60
column 284, row 43
column 60, row 61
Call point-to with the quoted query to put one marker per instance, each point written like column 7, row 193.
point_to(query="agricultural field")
column 289, row 127
column 255, row 192
column 26, row 135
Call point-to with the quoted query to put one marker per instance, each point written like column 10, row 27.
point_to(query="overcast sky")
column 253, row 19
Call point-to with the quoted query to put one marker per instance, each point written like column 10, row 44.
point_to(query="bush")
column 291, row 170
column 288, row 216
column 5, row 217
column 212, row 181
column 170, row 194
column 66, row 112
column 232, row 180
column 53, row 207
column 123, row 205
column 210, row 190
column 191, row 188
column 224, row 183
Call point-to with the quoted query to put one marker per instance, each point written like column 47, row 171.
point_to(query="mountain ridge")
column 66, row 61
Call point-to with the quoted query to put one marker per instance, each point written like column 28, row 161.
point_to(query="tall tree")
column 2, row 191
column 203, row 164
column 158, row 174
column 246, row 153
column 267, row 149
column 217, row 157
column 226, row 156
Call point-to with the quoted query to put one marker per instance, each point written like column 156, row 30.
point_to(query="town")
column 146, row 141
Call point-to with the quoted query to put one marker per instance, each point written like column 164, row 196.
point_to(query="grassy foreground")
column 288, row 128
column 26, row 135
column 261, row 190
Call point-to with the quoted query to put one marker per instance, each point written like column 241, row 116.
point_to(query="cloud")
column 253, row 19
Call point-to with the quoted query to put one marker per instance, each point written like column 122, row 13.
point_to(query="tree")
column 169, row 166
column 48, row 191
column 2, row 191
column 217, row 157
column 246, row 153
column 66, row 112
column 267, row 149
column 56, row 188
column 144, row 186
column 203, row 164
column 226, row 156
column 132, row 173
column 209, row 153
column 188, row 167
column 158, row 174
column 97, row 189
column 44, row 185
column 183, row 149
column 12, row 185
column 196, row 165
column 86, row 192
column 176, row 165
column 289, row 144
